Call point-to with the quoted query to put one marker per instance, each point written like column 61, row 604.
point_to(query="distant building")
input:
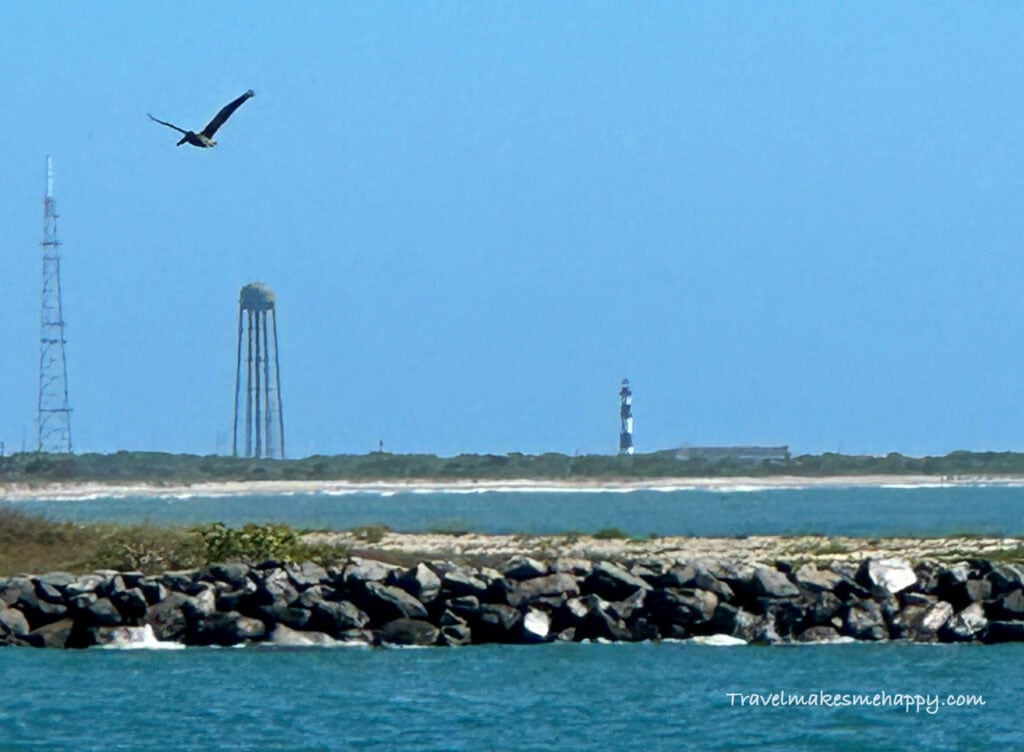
column 753, row 455
column 626, row 419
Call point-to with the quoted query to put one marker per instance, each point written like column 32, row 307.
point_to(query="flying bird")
column 204, row 139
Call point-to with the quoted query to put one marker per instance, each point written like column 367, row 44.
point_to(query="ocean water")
column 858, row 511
column 550, row 697
column 668, row 696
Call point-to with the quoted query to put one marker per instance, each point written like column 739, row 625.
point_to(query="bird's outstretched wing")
column 224, row 114
column 169, row 125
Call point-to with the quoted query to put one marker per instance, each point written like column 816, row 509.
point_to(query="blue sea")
column 668, row 696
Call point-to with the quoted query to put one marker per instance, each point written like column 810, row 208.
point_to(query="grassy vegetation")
column 163, row 468
column 34, row 544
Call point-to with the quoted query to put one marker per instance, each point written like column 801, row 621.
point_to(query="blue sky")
column 786, row 223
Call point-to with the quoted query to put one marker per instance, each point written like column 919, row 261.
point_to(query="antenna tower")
column 54, row 417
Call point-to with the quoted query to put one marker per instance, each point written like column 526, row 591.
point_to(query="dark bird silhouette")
column 204, row 139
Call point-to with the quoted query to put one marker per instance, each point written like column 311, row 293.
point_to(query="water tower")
column 262, row 417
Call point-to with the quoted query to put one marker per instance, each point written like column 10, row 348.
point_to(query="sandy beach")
column 77, row 491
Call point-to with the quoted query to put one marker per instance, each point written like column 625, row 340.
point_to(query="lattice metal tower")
column 54, row 417
column 262, row 417
column 625, row 419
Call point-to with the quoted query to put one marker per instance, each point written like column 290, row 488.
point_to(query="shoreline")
column 77, row 491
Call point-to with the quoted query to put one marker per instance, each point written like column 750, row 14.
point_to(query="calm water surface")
column 833, row 511
column 550, row 697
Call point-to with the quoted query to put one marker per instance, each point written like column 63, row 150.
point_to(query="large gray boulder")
column 967, row 625
column 558, row 584
column 102, row 613
column 864, row 621
column 1006, row 578
column 284, row 636
column 771, row 583
column 683, row 608
column 307, row 574
column 815, row 580
column 168, row 619
column 234, row 574
column 525, row 568
column 385, row 603
column 497, row 623
column 359, row 571
column 132, row 605
column 335, row 617
column 57, row 634
column 455, row 634
column 461, row 582
column 230, row 628
column 923, row 623
column 886, row 576
column 274, row 587
column 1006, row 608
column 13, row 621
column 421, row 582
column 613, row 583
column 409, row 632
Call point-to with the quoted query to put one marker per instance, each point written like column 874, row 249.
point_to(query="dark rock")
column 864, row 621
column 15, row 588
column 449, row 617
column 613, row 583
column 13, row 621
column 770, row 583
column 102, row 613
column 335, row 617
column 153, row 590
column 465, row 606
column 497, row 623
column 821, row 608
column 460, row 582
column 573, row 566
column 230, row 628
column 815, row 580
column 167, row 618
column 54, row 635
column 456, row 634
column 245, row 599
column 316, row 594
column 234, row 574
column 1004, row 631
column 595, row 622
column 39, row 611
column 785, row 617
column 367, row 570
column 1006, row 578
column 111, row 585
column 275, row 587
column 201, row 605
column 86, row 583
column 290, row 616
column 686, row 608
column 421, row 583
column 80, row 602
column 558, row 584
column 132, row 605
column 57, row 580
column 966, row 625
column 49, row 593
column 1007, row 607
column 307, row 574
column 911, row 598
column 818, row 634
column 633, row 605
column 525, row 568
column 922, row 623
column 409, row 632
column 176, row 582
column 385, row 603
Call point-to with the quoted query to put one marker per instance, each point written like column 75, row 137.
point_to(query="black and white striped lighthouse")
column 626, row 419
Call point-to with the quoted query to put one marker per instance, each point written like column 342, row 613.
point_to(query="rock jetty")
column 528, row 600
